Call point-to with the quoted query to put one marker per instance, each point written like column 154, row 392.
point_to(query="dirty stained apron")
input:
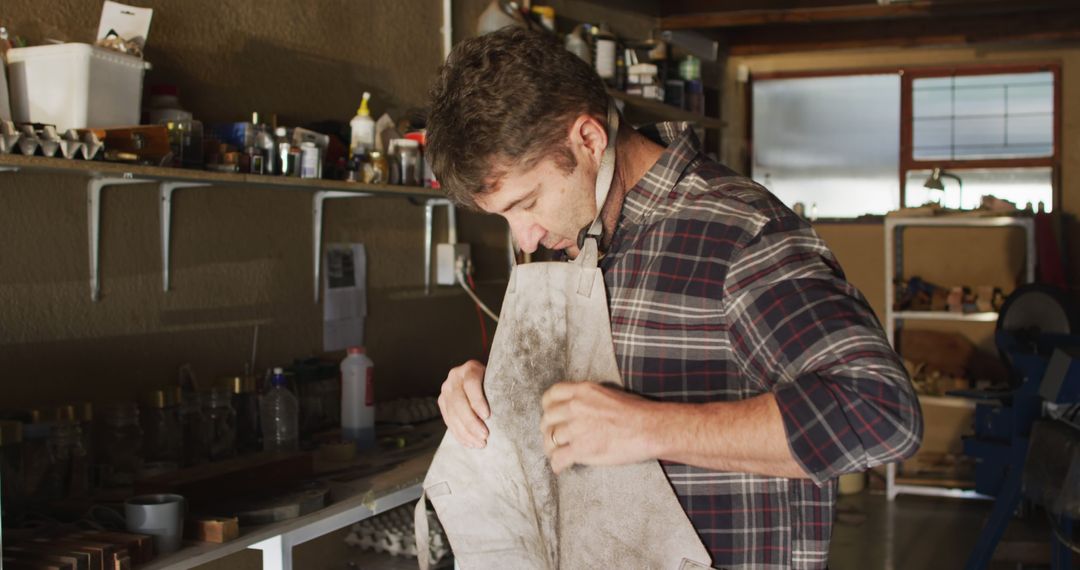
column 502, row 506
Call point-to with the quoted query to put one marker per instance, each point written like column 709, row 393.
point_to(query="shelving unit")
column 662, row 111
column 894, row 260
column 100, row 175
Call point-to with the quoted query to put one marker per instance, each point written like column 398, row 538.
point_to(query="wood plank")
column 679, row 7
column 859, row 12
column 1063, row 25
column 936, row 482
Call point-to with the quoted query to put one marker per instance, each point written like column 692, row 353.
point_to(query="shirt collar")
column 683, row 148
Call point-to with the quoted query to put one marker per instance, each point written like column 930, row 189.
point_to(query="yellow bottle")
column 362, row 136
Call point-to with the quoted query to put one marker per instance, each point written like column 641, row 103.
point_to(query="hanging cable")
column 483, row 325
column 459, row 270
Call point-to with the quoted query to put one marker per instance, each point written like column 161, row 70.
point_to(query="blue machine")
column 1037, row 338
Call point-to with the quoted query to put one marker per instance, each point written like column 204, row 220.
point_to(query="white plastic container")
column 358, row 399
column 5, row 106
column 75, row 86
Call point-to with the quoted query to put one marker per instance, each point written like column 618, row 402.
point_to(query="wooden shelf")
column 987, row 317
column 98, row 175
column 663, row 111
column 94, row 168
column 397, row 484
column 962, row 221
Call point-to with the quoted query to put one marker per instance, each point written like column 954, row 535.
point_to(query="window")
column 848, row 145
column 1008, row 115
column 829, row 142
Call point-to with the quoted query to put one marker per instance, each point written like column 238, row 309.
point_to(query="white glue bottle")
column 362, row 128
column 358, row 399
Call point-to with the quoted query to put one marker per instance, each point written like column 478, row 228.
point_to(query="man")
column 756, row 374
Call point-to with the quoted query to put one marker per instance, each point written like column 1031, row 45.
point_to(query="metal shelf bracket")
column 94, row 186
column 165, row 191
column 451, row 232
column 317, row 226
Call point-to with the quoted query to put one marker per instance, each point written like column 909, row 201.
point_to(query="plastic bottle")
column 283, row 163
column 279, row 411
column 363, row 128
column 358, row 399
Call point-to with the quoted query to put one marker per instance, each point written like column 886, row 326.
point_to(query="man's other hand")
column 463, row 405
column 591, row 424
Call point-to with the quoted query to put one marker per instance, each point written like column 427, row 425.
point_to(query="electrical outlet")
column 446, row 256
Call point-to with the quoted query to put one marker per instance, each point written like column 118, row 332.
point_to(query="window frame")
column 906, row 161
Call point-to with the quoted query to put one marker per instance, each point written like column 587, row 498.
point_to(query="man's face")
column 545, row 205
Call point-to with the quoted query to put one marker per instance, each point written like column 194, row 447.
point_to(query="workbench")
column 385, row 490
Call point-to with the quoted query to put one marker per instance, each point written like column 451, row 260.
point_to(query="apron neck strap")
column 604, row 175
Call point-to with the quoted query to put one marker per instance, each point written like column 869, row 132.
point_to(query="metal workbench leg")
column 1005, row 504
column 277, row 552
column 1061, row 555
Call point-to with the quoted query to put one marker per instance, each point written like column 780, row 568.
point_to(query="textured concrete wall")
column 241, row 256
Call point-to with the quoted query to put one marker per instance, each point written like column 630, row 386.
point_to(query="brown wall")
column 240, row 256
column 946, row 256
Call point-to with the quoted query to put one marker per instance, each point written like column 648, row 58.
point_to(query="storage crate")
column 75, row 86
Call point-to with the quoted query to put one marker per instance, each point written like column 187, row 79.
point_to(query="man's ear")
column 588, row 138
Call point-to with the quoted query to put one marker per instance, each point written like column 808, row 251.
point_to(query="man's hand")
column 464, row 406
column 590, row 424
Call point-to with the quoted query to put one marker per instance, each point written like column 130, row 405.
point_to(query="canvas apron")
column 502, row 506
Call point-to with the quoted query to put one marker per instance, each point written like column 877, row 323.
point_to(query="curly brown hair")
column 503, row 100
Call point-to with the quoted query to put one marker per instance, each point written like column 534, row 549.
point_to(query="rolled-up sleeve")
column 799, row 328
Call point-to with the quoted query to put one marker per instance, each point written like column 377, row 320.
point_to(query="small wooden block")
column 213, row 529
column 140, row 547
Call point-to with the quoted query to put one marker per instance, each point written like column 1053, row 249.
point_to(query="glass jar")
column 70, row 468
column 119, row 444
column 84, row 416
column 245, row 400
column 37, row 461
column 159, row 417
column 196, row 429
column 379, row 172
column 405, row 162
column 221, row 418
column 11, row 476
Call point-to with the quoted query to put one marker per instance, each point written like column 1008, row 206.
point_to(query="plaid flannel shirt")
column 719, row 292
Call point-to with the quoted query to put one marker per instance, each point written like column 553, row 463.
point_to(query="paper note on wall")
column 344, row 295
column 129, row 22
